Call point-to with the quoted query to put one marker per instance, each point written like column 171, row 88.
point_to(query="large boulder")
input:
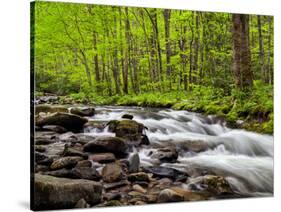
column 68, row 121
column 45, row 108
column 83, row 111
column 62, row 193
column 105, row 144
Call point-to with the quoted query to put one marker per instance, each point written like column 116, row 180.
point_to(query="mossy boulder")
column 61, row 193
column 130, row 130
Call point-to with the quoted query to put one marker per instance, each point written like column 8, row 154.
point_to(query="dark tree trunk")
column 242, row 55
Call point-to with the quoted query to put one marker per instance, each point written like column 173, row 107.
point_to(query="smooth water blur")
column 244, row 158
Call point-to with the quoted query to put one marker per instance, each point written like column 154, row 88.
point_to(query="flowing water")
column 244, row 158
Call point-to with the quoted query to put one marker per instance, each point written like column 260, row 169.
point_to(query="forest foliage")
column 209, row 62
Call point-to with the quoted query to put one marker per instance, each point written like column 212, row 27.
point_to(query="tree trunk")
column 96, row 62
column 167, row 15
column 242, row 56
column 261, row 49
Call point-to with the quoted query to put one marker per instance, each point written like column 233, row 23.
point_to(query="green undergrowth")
column 254, row 107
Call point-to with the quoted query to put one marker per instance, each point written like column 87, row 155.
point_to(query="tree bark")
column 242, row 55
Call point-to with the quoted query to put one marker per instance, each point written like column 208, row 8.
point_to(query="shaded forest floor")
column 252, row 110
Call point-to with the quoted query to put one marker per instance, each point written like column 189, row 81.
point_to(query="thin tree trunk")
column 167, row 16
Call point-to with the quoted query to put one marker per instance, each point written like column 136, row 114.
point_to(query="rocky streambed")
column 113, row 156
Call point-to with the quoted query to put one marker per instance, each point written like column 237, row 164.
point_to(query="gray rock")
column 83, row 111
column 114, row 145
column 62, row 193
column 68, row 121
column 134, row 162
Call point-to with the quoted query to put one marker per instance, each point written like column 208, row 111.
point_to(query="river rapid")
column 204, row 143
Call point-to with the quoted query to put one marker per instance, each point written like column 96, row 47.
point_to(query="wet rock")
column 68, row 121
column 54, row 128
column 65, row 162
column 102, row 157
column 83, row 111
column 40, row 156
column 47, row 99
column 138, row 188
column 113, row 203
column 82, row 204
column 112, row 172
column 45, row 141
column 62, row 193
column 144, row 140
column 189, row 195
column 140, row 176
column 194, row 146
column 109, row 186
column 69, row 151
column 162, row 172
column 168, row 195
column 114, row 145
column 134, row 163
column 127, row 116
column 47, row 161
column 46, row 108
column 112, row 196
column 130, row 130
column 41, row 168
column 214, row 184
column 86, row 173
column 40, row 148
column 166, row 155
column 84, row 163
column 65, row 173
column 112, row 125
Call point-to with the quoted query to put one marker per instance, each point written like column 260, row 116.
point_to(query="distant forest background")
column 209, row 62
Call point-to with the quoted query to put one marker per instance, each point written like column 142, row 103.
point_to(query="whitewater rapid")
column 244, row 158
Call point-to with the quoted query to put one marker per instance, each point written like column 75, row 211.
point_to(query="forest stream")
column 170, row 149
column 244, row 158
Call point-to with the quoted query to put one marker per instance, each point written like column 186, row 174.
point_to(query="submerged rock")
column 164, row 172
column 167, row 154
column 214, row 184
column 107, row 144
column 68, row 121
column 62, row 193
column 83, row 111
column 127, row 116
